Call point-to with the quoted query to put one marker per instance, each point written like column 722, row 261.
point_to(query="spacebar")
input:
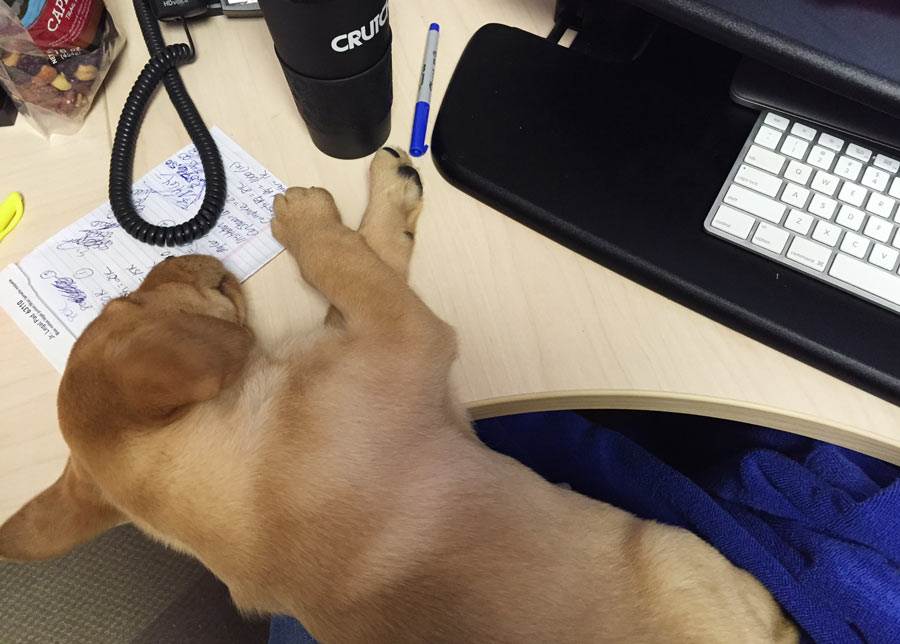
column 865, row 276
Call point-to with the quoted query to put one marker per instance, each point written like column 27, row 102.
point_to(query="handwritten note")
column 55, row 291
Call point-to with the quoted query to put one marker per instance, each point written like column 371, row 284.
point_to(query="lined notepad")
column 55, row 291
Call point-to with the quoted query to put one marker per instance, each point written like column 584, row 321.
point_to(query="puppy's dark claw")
column 410, row 173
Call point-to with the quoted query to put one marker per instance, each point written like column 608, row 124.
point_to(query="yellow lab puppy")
column 339, row 481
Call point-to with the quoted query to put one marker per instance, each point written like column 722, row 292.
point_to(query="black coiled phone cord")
column 162, row 66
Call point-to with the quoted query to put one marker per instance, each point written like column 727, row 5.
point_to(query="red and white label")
column 67, row 24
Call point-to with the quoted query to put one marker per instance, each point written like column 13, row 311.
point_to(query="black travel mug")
column 336, row 57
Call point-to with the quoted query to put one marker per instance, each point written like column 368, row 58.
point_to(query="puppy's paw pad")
column 394, row 179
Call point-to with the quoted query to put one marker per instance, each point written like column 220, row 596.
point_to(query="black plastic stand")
column 620, row 160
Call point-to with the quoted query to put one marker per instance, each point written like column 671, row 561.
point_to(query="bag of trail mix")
column 54, row 55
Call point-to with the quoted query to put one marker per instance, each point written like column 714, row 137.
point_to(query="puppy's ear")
column 66, row 514
column 177, row 360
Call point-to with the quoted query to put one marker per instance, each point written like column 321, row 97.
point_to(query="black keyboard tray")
column 621, row 162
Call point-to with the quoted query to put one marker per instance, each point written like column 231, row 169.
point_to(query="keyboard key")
column 822, row 206
column 858, row 152
column 853, row 193
column 794, row 147
column 868, row 278
column 768, row 137
column 803, row 131
column 758, row 180
column 848, row 168
column 884, row 256
column 770, row 237
column 824, row 182
column 850, row 217
column 827, row 233
column 733, row 222
column 875, row 179
column 895, row 189
column 809, row 253
column 887, row 163
column 878, row 229
column 799, row 173
column 821, row 157
column 830, row 141
column 776, row 120
column 755, row 204
column 798, row 221
column 880, row 205
column 795, row 195
column 765, row 159
column 896, row 242
column 856, row 245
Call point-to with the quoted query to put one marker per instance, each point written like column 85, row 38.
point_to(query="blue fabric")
column 287, row 630
column 818, row 525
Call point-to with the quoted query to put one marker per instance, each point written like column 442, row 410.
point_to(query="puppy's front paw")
column 302, row 210
column 395, row 189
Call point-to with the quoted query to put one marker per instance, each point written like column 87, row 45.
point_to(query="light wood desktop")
column 540, row 327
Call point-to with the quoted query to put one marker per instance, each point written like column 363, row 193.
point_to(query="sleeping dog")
column 339, row 480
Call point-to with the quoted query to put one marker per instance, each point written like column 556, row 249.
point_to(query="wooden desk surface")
column 540, row 327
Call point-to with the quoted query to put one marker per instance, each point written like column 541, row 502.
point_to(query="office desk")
column 540, row 327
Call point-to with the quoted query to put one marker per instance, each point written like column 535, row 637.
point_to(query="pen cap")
column 336, row 58
column 417, row 145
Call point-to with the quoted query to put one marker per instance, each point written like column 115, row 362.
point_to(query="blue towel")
column 818, row 525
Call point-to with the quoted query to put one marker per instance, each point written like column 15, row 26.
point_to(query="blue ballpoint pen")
column 417, row 145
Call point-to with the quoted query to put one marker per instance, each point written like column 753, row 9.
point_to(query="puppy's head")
column 147, row 360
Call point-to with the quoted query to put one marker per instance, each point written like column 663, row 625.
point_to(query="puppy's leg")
column 389, row 223
column 369, row 293
column 395, row 201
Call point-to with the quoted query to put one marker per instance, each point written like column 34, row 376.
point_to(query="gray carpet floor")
column 122, row 587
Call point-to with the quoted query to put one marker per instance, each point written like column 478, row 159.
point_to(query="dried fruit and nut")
column 54, row 55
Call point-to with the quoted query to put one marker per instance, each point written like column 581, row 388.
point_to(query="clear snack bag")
column 54, row 54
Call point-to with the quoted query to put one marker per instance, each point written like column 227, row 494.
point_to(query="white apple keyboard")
column 818, row 202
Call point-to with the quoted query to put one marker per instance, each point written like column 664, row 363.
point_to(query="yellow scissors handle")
column 11, row 211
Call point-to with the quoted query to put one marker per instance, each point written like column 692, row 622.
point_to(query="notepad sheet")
column 55, row 291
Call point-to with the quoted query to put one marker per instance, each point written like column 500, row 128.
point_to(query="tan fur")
column 339, row 481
